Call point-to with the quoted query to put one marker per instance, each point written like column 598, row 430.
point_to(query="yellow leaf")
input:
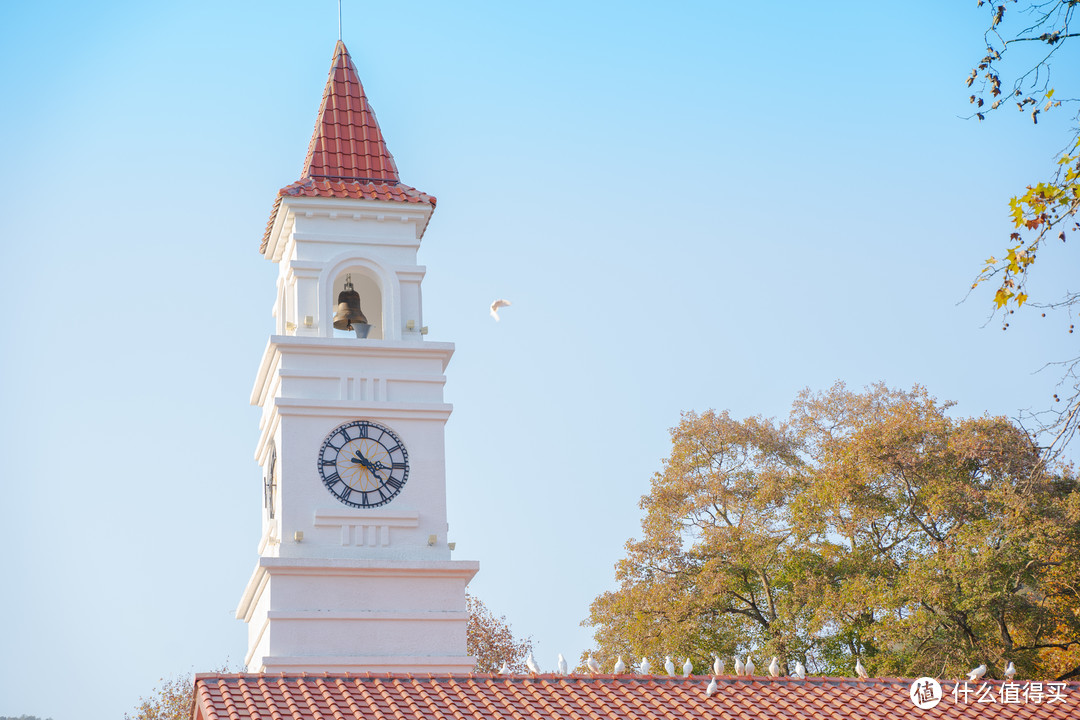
column 1020, row 298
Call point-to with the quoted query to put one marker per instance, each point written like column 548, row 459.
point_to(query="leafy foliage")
column 1046, row 211
column 491, row 641
column 171, row 700
column 868, row 525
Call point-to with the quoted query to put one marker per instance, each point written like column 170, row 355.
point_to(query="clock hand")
column 368, row 465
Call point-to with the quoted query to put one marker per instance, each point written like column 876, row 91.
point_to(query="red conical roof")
column 347, row 156
column 347, row 143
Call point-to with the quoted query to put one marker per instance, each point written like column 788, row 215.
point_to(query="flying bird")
column 774, row 667
column 594, row 667
column 620, row 666
column 669, row 667
column 977, row 673
column 505, row 669
column 562, row 664
column 530, row 663
column 687, row 668
column 740, row 669
column 800, row 670
column 1010, row 671
column 717, row 665
column 644, row 668
column 500, row 303
column 749, row 667
column 860, row 670
column 710, row 690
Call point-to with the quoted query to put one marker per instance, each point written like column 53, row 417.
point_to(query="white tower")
column 354, row 570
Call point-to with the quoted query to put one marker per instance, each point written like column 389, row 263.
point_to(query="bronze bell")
column 348, row 309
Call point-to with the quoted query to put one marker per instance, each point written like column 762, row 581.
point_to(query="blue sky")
column 700, row 205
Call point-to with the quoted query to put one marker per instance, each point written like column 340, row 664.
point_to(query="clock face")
column 270, row 482
column 363, row 464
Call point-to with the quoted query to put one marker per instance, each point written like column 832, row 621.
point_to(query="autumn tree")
column 491, row 641
column 171, row 700
column 869, row 524
column 1023, row 41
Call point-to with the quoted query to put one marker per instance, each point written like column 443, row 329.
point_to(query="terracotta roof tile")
column 498, row 697
column 347, row 156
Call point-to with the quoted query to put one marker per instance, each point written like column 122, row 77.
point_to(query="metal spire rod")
column 339, row 19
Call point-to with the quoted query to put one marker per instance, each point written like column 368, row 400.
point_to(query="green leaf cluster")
column 869, row 524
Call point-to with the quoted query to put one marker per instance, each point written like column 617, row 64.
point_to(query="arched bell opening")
column 357, row 307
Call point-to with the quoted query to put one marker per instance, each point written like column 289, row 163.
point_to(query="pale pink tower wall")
column 369, row 586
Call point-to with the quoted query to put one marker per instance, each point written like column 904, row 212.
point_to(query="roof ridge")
column 553, row 677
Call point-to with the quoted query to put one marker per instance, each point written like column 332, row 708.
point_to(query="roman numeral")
column 344, row 494
column 398, row 466
column 363, row 431
column 394, row 483
column 332, row 478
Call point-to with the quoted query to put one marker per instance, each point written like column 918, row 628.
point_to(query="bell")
column 348, row 309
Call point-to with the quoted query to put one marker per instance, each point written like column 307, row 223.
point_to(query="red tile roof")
column 347, row 143
column 347, row 156
column 496, row 697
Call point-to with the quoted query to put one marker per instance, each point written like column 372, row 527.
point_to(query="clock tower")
column 354, row 570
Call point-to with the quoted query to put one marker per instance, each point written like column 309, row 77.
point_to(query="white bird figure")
column 740, row 669
column 620, row 666
column 505, row 669
column 977, row 673
column 717, row 665
column 749, row 667
column 1010, row 671
column 530, row 662
column 860, row 670
column 669, row 667
column 644, row 668
column 774, row 667
column 562, row 664
column 800, row 670
column 710, row 690
column 594, row 667
column 687, row 668
column 500, row 303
